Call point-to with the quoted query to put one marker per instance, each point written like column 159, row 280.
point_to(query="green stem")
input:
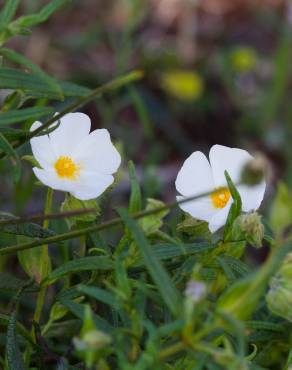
column 41, row 217
column 45, row 265
column 110, row 86
column 84, row 231
column 44, row 261
column 172, row 350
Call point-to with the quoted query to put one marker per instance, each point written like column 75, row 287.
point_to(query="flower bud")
column 279, row 297
column 96, row 339
column 250, row 227
column 90, row 340
column 254, row 171
column 195, row 291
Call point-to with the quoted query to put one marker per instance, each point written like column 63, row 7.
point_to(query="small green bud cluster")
column 249, row 226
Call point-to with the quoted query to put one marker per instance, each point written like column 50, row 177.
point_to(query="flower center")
column 66, row 168
column 220, row 197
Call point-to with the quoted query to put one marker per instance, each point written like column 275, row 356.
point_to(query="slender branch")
column 41, row 217
column 112, row 85
column 105, row 225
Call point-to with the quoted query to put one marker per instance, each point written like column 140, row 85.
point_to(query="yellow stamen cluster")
column 66, row 168
column 220, row 197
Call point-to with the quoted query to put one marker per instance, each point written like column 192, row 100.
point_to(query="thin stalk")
column 84, row 231
column 45, row 260
column 172, row 350
column 45, row 265
column 42, row 217
column 110, row 86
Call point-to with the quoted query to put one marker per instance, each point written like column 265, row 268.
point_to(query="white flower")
column 75, row 160
column 198, row 176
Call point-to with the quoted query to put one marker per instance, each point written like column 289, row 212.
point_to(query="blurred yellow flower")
column 243, row 59
column 184, row 85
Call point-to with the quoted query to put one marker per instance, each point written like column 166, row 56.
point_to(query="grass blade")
column 156, row 270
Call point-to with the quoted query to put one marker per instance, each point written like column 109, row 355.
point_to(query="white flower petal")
column 251, row 196
column 52, row 180
column 72, row 129
column 97, row 153
column 219, row 219
column 90, row 185
column 202, row 208
column 230, row 159
column 195, row 176
column 41, row 148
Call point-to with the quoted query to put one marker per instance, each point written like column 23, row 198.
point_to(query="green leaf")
column 28, row 229
column 7, row 148
column 71, row 89
column 157, row 272
column 167, row 251
column 18, row 58
column 78, row 310
column 42, row 15
column 9, row 282
column 12, row 134
column 30, row 260
column 8, row 11
column 11, row 78
column 235, row 209
column 194, row 227
column 4, row 321
column 13, row 354
column 73, row 204
column 154, row 222
column 100, row 295
column 135, row 203
column 264, row 325
column 236, row 265
column 21, row 115
column 80, row 264
column 13, row 101
column 242, row 297
column 281, row 211
column 31, row 159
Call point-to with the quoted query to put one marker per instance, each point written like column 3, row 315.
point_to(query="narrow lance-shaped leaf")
column 11, row 78
column 12, row 134
column 78, row 310
column 242, row 297
column 135, row 203
column 100, row 295
column 20, row 59
column 13, row 354
column 41, row 16
column 21, row 115
column 7, row 148
column 8, row 12
column 80, row 264
column 4, row 321
column 235, row 209
column 156, row 270
column 28, row 229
